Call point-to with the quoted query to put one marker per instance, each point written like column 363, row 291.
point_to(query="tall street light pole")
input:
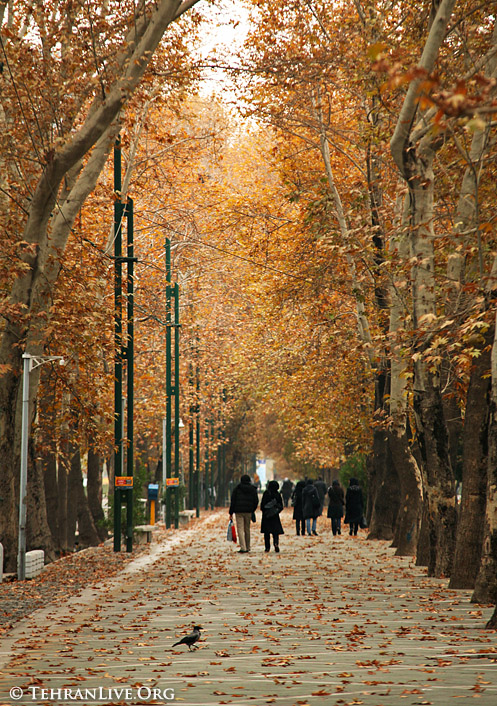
column 30, row 362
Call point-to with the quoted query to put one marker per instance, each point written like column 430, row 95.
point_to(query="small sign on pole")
column 123, row 481
column 172, row 482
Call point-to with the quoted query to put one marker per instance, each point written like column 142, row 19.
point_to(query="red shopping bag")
column 231, row 534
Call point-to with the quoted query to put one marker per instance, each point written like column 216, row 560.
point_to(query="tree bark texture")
column 408, row 472
column 486, row 582
column 62, row 490
column 469, row 535
column 440, row 491
column 413, row 149
column 94, row 489
column 492, row 623
column 49, row 470
column 38, row 534
column 431, row 430
column 425, row 552
column 411, row 494
column 78, row 508
column 74, row 473
column 384, row 490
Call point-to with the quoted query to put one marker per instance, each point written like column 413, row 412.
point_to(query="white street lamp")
column 30, row 363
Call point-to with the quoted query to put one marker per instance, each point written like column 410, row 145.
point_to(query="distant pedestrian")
column 354, row 506
column 336, row 502
column 298, row 514
column 322, row 488
column 271, row 506
column 310, row 507
column 286, row 491
column 244, row 501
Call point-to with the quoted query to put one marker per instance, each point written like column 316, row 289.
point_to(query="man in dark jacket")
column 244, row 501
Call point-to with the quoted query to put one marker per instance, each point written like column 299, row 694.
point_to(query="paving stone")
column 329, row 620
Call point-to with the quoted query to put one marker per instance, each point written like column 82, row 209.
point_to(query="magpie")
column 190, row 639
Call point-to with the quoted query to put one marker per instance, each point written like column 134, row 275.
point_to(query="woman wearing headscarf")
column 354, row 506
column 336, row 502
column 311, row 507
column 271, row 506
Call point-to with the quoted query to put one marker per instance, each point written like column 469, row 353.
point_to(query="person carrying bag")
column 244, row 502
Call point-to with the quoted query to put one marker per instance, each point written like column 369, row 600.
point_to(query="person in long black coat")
column 297, row 507
column 336, row 502
column 311, row 507
column 354, row 506
column 271, row 506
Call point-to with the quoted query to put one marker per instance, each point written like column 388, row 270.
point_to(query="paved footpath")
column 328, row 621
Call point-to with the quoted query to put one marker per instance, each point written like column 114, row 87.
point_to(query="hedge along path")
column 335, row 620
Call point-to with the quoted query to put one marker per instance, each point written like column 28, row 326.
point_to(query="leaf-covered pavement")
column 327, row 621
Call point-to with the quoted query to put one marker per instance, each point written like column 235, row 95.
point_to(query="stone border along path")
column 329, row 620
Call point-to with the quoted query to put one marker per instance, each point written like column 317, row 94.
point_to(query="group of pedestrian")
column 308, row 503
column 307, row 498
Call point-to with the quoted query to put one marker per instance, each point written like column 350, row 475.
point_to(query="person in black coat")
column 286, row 491
column 354, row 506
column 311, row 505
column 321, row 487
column 297, row 507
column 244, row 501
column 336, row 502
column 271, row 506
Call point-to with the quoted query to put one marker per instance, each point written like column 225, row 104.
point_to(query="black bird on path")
column 190, row 639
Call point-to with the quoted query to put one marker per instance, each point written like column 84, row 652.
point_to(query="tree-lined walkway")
column 328, row 620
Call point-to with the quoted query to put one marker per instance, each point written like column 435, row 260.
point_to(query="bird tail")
column 176, row 643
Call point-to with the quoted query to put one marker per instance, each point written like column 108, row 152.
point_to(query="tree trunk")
column 38, row 534
column 74, row 466
column 78, row 509
column 384, row 490
column 49, row 469
column 440, row 491
column 62, row 488
column 411, row 494
column 432, row 435
column 94, row 488
column 88, row 535
column 424, row 546
column 413, row 148
column 408, row 471
column 492, row 623
column 474, row 480
column 9, row 480
column 46, row 442
column 486, row 582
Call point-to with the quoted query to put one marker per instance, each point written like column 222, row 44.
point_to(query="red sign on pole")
column 123, row 481
column 172, row 481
